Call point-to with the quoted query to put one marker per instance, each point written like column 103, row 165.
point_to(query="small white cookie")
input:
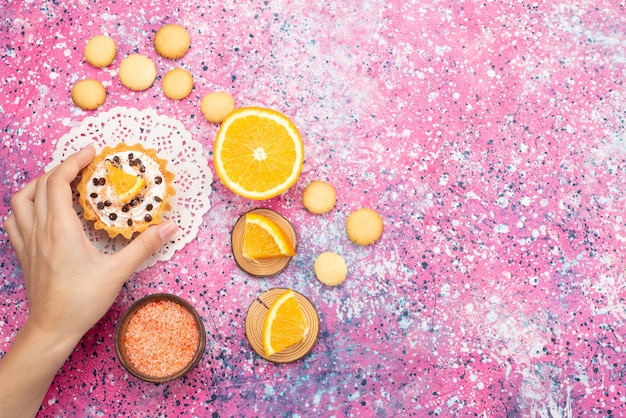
column 88, row 94
column 137, row 72
column 319, row 197
column 100, row 51
column 364, row 226
column 216, row 106
column 330, row 268
column 177, row 84
column 172, row 41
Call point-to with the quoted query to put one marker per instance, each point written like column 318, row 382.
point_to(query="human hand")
column 69, row 284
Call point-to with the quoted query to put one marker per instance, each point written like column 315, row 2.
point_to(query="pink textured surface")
column 490, row 136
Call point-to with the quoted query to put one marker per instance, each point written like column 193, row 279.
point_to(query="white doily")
column 172, row 142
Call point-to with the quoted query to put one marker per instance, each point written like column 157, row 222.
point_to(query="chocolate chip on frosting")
column 135, row 201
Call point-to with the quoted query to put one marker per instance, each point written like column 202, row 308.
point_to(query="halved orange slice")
column 126, row 185
column 284, row 324
column 258, row 153
column 263, row 238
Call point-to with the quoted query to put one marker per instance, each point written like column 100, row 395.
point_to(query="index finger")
column 58, row 184
column 23, row 207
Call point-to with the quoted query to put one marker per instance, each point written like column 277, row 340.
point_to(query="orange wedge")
column 284, row 324
column 263, row 238
column 258, row 153
column 126, row 185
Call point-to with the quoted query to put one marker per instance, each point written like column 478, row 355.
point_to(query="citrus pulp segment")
column 284, row 324
column 126, row 185
column 263, row 238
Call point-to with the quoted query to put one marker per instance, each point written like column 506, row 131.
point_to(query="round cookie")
column 88, row 94
column 137, row 72
column 319, row 197
column 172, row 41
column 364, row 226
column 330, row 268
column 177, row 84
column 216, row 106
column 100, row 51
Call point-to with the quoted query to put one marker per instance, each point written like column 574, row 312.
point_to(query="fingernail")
column 167, row 230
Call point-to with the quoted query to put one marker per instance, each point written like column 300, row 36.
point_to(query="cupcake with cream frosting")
column 125, row 189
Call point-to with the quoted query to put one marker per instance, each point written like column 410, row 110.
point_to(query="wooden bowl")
column 120, row 337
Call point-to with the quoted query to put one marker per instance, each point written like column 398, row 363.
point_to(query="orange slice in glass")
column 125, row 185
column 284, row 324
column 258, row 153
column 263, row 238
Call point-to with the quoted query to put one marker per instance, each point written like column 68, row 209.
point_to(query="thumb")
column 142, row 247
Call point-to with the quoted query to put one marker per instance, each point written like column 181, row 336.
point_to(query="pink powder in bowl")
column 159, row 338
